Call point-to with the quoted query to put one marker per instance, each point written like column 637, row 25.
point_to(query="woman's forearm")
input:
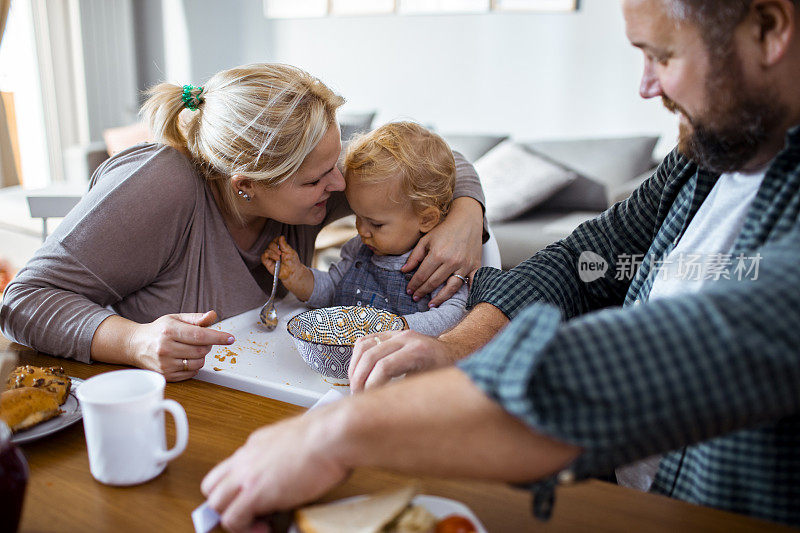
column 111, row 341
column 467, row 209
column 468, row 184
column 174, row 345
column 48, row 319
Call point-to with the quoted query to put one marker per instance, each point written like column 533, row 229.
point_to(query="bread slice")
column 367, row 515
column 52, row 379
column 25, row 407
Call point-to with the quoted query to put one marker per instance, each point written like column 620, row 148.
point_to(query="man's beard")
column 736, row 124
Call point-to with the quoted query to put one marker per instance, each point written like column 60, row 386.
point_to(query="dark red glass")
column 13, row 479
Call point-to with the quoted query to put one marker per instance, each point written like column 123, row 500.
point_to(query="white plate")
column 439, row 507
column 72, row 413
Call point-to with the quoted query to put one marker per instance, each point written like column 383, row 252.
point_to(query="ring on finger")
column 462, row 278
column 185, row 365
column 377, row 340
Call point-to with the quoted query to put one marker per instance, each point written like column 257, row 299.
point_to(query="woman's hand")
column 380, row 357
column 279, row 467
column 164, row 344
column 297, row 277
column 452, row 247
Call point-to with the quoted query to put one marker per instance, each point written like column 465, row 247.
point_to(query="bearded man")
column 700, row 364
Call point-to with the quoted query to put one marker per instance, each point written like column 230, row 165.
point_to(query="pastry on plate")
column 24, row 407
column 52, row 379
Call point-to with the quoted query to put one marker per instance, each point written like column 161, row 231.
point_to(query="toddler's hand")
column 270, row 255
column 294, row 274
column 290, row 261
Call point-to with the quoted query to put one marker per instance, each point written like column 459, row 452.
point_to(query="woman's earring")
column 244, row 195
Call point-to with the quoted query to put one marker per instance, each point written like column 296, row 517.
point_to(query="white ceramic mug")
column 123, row 419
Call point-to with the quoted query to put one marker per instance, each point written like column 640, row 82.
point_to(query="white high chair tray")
column 265, row 362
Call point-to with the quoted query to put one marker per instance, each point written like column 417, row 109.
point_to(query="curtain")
column 8, row 168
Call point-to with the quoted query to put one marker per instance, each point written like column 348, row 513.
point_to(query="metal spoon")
column 268, row 315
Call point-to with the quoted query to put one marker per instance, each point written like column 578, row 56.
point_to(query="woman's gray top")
column 148, row 240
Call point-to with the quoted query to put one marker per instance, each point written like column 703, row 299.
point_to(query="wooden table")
column 63, row 496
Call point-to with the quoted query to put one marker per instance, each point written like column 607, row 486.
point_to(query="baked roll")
column 24, row 407
column 52, row 379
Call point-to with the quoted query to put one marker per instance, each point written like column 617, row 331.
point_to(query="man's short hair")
column 715, row 18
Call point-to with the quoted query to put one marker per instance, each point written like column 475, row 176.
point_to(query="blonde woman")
column 168, row 239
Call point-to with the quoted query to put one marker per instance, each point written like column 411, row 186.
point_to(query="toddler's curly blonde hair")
column 419, row 158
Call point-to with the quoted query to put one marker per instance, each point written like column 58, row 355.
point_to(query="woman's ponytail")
column 162, row 113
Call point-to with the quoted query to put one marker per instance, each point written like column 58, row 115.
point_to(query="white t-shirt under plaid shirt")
column 709, row 238
column 706, row 243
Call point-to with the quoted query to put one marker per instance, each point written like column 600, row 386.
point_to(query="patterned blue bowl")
column 325, row 337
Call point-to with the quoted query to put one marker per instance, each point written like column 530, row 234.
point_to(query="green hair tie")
column 192, row 100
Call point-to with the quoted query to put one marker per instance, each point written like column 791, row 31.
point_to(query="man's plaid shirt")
column 713, row 377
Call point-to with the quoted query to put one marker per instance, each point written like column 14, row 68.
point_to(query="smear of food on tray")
column 390, row 511
column 32, row 395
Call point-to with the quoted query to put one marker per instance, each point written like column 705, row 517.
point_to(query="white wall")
column 533, row 76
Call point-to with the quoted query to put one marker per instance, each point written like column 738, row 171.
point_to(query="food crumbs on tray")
column 225, row 353
column 233, row 360
column 217, row 369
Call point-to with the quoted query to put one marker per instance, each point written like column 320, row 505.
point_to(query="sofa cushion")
column 519, row 239
column 581, row 194
column 610, row 162
column 473, row 146
column 515, row 180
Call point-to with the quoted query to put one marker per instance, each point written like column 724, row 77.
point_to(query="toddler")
column 400, row 180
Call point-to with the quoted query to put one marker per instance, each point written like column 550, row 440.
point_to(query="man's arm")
column 624, row 384
column 466, row 435
column 374, row 363
column 472, row 333
column 436, row 320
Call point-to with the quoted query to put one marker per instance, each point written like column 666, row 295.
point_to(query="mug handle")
column 181, row 430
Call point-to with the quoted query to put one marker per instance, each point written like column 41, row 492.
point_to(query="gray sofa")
column 608, row 170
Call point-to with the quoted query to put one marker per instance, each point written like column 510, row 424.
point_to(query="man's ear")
column 428, row 219
column 773, row 24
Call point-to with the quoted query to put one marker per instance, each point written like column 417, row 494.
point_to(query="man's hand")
column 163, row 344
column 379, row 357
column 452, row 247
column 438, row 424
column 393, row 354
column 279, row 467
